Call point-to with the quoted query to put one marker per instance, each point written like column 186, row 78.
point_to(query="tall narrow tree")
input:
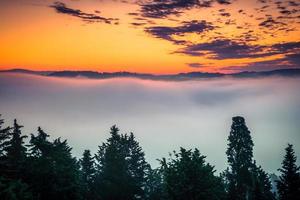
column 288, row 184
column 137, row 165
column 16, row 152
column 87, row 168
column 13, row 164
column 239, row 155
column 4, row 136
column 41, row 175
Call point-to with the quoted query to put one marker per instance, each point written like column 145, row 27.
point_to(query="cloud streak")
column 228, row 49
column 167, row 33
column 164, row 8
column 87, row 17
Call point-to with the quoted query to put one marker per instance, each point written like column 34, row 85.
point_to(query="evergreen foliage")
column 262, row 185
column 45, row 169
column 243, row 179
column 188, row 176
column 87, row 167
column 51, row 170
column 121, row 168
column 289, row 182
column 155, row 188
column 239, row 155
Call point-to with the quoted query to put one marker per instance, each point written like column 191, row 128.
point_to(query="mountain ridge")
column 289, row 72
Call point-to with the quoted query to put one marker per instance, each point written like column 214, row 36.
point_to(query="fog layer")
column 163, row 115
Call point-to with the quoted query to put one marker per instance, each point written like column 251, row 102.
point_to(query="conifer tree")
column 87, row 167
column 14, row 190
column 137, row 165
column 52, row 173
column 4, row 136
column 239, row 155
column 188, row 176
column 39, row 145
column 41, row 173
column 15, row 152
column 262, row 185
column 13, row 163
column 121, row 168
column 66, row 169
column 288, row 184
column 155, row 187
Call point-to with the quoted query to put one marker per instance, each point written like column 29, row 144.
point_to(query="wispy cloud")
column 195, row 65
column 164, row 8
column 228, row 49
column 88, row 17
column 167, row 32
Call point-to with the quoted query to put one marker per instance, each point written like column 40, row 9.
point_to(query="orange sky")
column 36, row 36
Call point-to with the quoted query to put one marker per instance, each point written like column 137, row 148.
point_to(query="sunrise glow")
column 149, row 36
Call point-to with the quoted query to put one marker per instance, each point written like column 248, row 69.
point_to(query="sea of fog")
column 163, row 115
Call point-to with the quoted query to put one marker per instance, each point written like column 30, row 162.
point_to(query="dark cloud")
column 163, row 8
column 241, row 11
column 287, row 47
column 271, row 23
column 138, row 24
column 222, row 49
column 293, row 3
column 88, row 17
column 228, row 49
column 224, row 2
column 248, row 35
column 167, row 33
column 262, row 1
column 225, row 14
column 133, row 14
column 195, row 65
column 289, row 61
column 294, row 58
column 284, row 19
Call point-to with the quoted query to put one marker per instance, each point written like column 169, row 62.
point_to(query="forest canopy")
column 46, row 169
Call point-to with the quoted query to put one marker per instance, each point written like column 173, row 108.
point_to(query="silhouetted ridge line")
column 175, row 77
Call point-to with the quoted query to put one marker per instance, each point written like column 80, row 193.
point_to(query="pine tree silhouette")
column 188, row 176
column 239, row 155
column 87, row 168
column 288, row 184
column 262, row 185
column 121, row 168
column 16, row 151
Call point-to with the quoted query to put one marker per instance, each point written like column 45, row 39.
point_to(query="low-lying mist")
column 163, row 115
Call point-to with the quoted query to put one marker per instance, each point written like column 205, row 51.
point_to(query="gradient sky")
column 152, row 36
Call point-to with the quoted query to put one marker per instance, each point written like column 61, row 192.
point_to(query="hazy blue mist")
column 163, row 115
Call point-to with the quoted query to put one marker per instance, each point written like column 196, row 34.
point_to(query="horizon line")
column 147, row 73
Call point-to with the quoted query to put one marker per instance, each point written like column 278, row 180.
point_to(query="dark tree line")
column 43, row 169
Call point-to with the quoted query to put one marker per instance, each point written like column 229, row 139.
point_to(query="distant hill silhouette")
column 26, row 71
column 176, row 77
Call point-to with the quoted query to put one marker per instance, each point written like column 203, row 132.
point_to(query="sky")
column 150, row 36
column 163, row 115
